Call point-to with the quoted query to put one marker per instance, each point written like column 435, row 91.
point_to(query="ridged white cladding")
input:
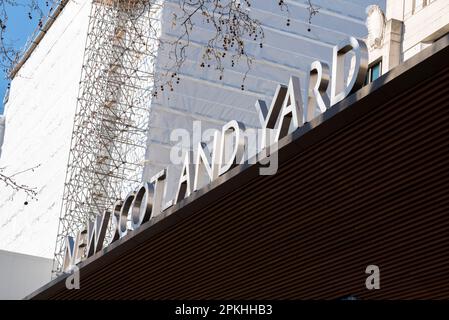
column 287, row 51
column 43, row 98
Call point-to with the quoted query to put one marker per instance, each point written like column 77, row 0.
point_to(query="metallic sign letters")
column 287, row 112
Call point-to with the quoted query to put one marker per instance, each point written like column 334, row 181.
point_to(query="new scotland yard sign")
column 287, row 112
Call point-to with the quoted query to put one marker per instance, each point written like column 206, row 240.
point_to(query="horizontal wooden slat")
column 373, row 190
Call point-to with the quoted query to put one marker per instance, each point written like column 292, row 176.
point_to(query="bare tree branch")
column 232, row 27
column 312, row 12
column 9, row 52
column 10, row 182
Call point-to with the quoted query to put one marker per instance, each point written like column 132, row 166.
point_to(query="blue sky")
column 19, row 29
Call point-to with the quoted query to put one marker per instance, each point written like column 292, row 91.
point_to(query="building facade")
column 405, row 28
column 43, row 96
column 363, row 185
column 22, row 274
column 2, row 132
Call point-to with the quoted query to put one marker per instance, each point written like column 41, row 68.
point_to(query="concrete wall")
column 22, row 274
column 39, row 119
column 435, row 18
column 42, row 101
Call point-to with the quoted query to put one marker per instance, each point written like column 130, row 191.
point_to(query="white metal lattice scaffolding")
column 110, row 129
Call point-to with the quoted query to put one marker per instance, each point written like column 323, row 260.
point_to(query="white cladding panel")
column 435, row 18
column 287, row 51
column 39, row 120
column 2, row 132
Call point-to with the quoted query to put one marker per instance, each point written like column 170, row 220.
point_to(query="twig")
column 10, row 182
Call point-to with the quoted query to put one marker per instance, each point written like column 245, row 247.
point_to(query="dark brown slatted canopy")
column 366, row 183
